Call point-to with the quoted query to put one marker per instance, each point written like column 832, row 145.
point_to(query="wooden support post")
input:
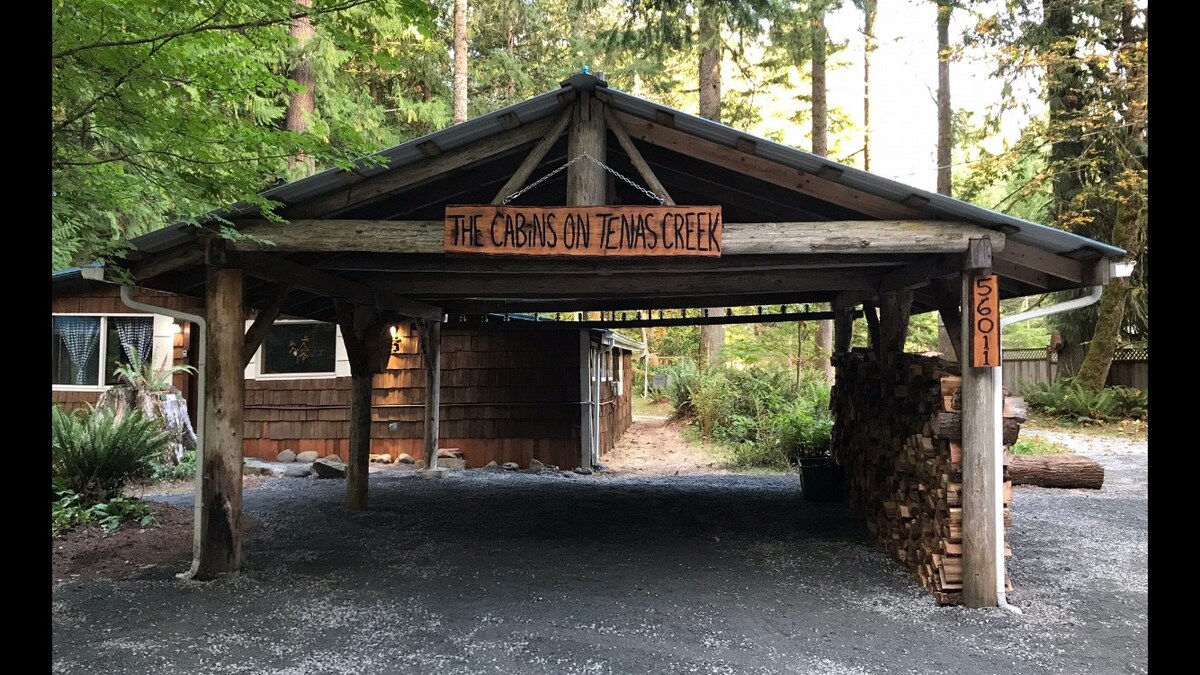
column 218, row 505
column 982, row 448
column 843, row 328
column 431, row 348
column 585, row 399
column 587, row 184
column 894, row 310
column 353, row 322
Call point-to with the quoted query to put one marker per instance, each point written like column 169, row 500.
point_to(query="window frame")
column 101, row 351
column 323, row 375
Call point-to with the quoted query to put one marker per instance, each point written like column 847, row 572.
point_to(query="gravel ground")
column 511, row 573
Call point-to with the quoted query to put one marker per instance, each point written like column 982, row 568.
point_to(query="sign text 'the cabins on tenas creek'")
column 584, row 230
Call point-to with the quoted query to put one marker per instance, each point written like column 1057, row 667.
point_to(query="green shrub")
column 681, row 378
column 1066, row 399
column 184, row 470
column 94, row 454
column 69, row 510
column 1036, row 445
column 760, row 412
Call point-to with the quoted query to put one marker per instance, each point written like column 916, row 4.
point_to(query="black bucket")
column 820, row 480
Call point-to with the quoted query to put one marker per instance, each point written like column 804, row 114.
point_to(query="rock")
column 510, row 466
column 450, row 453
column 251, row 470
column 493, row 465
column 405, row 458
column 287, row 456
column 536, row 465
column 583, row 471
column 329, row 467
column 307, row 456
column 451, row 463
column 567, row 474
column 384, row 458
column 296, row 471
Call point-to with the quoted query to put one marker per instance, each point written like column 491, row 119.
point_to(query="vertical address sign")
column 985, row 322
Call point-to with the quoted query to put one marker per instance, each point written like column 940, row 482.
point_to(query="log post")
column 431, row 348
column 217, row 544
column 843, row 328
column 353, row 323
column 982, row 447
column 894, row 310
column 587, row 183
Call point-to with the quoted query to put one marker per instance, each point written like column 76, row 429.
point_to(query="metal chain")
column 602, row 165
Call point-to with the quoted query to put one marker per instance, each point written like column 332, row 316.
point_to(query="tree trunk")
column 460, row 61
column 712, row 338
column 1064, row 100
column 820, row 146
column 944, row 133
column 1056, row 471
column 121, row 399
column 302, row 103
column 869, row 7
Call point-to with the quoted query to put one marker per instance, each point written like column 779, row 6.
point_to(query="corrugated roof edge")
column 544, row 105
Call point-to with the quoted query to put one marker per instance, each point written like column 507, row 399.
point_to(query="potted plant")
column 806, row 431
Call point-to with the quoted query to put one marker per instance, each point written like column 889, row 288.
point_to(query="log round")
column 1056, row 471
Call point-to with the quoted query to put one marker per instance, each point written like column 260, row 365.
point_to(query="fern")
column 94, row 454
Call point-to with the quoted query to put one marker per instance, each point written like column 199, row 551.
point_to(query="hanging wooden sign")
column 626, row 231
column 985, row 321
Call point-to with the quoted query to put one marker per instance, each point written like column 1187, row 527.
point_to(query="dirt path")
column 654, row 446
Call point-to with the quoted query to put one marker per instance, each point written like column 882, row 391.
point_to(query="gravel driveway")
column 514, row 573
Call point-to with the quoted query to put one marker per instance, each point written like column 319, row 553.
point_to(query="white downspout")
column 198, row 502
column 1091, row 298
column 597, row 375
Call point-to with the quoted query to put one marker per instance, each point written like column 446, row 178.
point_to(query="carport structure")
column 367, row 246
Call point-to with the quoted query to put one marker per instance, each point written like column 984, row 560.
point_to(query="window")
column 81, row 343
column 299, row 348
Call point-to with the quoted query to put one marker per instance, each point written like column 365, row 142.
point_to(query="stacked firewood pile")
column 897, row 433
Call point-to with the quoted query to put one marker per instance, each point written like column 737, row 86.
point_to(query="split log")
column 1056, row 471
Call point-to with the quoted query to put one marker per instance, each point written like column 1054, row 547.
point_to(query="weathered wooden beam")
column 274, row 268
column 431, row 349
column 695, row 318
column 833, row 236
column 263, row 322
column 353, row 320
column 154, row 264
column 589, row 267
column 587, row 182
column 764, row 169
column 325, row 235
column 919, row 273
column 534, row 157
column 432, row 286
column 635, row 157
column 981, row 457
column 380, row 185
column 218, row 506
column 628, row 303
column 1046, row 262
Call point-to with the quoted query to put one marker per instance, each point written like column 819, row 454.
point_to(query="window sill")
column 297, row 376
column 98, row 388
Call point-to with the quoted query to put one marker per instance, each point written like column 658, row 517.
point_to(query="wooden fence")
column 1130, row 368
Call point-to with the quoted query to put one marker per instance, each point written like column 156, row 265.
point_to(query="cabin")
column 509, row 394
